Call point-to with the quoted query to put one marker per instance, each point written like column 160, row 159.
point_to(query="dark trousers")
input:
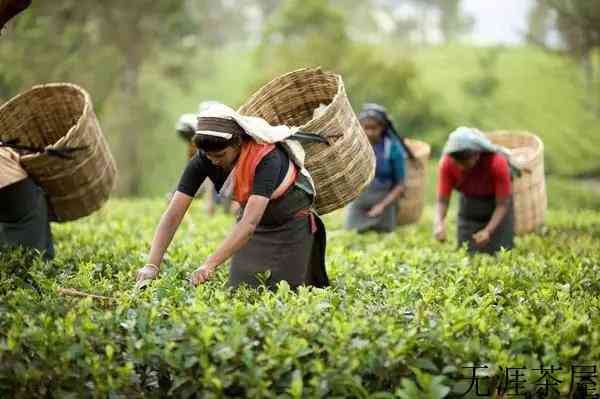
column 284, row 247
column 474, row 214
column 24, row 218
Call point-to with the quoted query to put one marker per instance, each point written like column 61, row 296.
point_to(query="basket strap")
column 309, row 137
column 65, row 153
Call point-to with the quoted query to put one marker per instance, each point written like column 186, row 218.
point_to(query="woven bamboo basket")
column 410, row 206
column 344, row 166
column 530, row 200
column 60, row 116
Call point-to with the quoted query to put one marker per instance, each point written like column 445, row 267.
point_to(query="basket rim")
column 85, row 111
column 518, row 133
column 422, row 147
column 340, row 89
column 535, row 148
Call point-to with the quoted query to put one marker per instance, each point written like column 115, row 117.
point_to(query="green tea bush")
column 403, row 317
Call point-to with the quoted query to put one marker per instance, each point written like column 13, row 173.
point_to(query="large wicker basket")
column 344, row 167
column 60, row 116
column 530, row 201
column 410, row 206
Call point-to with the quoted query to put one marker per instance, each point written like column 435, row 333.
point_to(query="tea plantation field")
column 405, row 317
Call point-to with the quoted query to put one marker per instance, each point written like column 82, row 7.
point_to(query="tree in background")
column 452, row 21
column 315, row 33
column 103, row 46
column 144, row 64
column 540, row 23
column 139, row 31
column 578, row 24
column 43, row 47
column 300, row 33
column 444, row 16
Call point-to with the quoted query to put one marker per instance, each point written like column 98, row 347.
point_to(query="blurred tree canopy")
column 314, row 32
column 92, row 43
column 577, row 23
column 127, row 53
column 146, row 62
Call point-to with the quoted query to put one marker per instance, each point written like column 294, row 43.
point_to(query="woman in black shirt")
column 276, row 231
column 23, row 208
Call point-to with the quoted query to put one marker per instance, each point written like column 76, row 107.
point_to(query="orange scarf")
column 250, row 156
column 191, row 150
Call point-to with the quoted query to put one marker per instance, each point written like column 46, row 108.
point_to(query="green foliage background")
column 536, row 92
column 145, row 68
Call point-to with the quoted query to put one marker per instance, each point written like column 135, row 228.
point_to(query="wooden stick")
column 80, row 294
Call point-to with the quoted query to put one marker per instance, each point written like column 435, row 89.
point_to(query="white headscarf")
column 472, row 139
column 257, row 128
column 261, row 131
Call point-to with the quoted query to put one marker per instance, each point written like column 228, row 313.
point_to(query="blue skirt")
column 357, row 218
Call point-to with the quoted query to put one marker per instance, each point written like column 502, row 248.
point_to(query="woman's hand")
column 439, row 232
column 439, row 228
column 482, row 238
column 241, row 234
column 202, row 274
column 376, row 211
column 148, row 272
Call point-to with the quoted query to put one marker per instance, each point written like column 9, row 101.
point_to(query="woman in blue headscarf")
column 376, row 208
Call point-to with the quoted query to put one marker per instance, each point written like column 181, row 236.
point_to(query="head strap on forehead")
column 373, row 114
column 219, row 127
column 379, row 113
column 374, row 111
column 374, row 106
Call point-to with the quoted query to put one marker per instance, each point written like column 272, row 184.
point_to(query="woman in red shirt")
column 480, row 171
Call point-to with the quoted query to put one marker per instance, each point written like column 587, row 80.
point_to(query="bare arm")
column 483, row 236
column 439, row 228
column 441, row 210
column 393, row 195
column 502, row 187
column 167, row 227
column 499, row 213
column 241, row 234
